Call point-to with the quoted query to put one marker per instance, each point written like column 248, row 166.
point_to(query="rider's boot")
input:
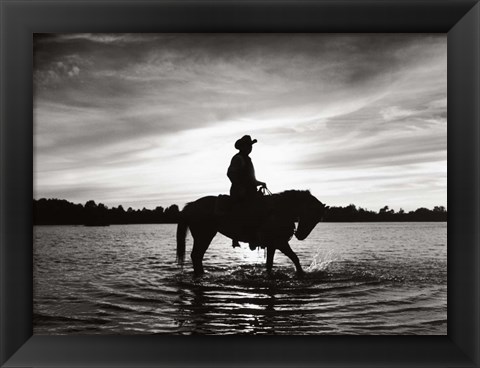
column 254, row 240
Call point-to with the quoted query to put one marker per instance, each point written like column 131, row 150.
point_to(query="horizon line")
column 180, row 207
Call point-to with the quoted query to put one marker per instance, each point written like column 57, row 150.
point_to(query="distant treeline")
column 62, row 212
column 353, row 214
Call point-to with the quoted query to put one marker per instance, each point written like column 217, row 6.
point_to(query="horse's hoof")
column 198, row 274
column 300, row 274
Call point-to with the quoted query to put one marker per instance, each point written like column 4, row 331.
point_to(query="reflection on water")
column 361, row 279
column 207, row 308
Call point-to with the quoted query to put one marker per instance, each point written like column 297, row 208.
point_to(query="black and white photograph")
column 240, row 184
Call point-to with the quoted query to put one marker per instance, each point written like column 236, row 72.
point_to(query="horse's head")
column 311, row 213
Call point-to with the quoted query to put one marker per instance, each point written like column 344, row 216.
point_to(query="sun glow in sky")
column 148, row 120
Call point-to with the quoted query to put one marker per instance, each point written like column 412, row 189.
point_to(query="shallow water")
column 362, row 278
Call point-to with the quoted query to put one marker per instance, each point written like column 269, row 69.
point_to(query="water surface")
column 362, row 278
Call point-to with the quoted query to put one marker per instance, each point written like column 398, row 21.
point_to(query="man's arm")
column 254, row 179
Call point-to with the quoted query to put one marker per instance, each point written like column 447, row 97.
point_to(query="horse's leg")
column 198, row 251
column 270, row 255
column 291, row 254
column 202, row 237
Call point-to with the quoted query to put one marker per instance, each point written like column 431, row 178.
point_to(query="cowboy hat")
column 245, row 140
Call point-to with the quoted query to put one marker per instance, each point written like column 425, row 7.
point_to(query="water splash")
column 322, row 259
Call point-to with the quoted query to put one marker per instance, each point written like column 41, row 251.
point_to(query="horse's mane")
column 291, row 198
column 294, row 194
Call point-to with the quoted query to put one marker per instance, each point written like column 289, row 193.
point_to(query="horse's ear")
column 324, row 205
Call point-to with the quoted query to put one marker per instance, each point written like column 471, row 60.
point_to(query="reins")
column 265, row 191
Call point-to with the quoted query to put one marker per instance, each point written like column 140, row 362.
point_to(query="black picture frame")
column 460, row 19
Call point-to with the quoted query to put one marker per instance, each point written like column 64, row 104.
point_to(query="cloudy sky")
column 145, row 120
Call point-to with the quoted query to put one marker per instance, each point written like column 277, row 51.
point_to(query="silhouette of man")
column 242, row 175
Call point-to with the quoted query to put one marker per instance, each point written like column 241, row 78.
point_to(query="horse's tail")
column 182, row 229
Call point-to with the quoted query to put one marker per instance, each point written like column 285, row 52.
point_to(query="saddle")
column 223, row 205
column 226, row 206
column 250, row 215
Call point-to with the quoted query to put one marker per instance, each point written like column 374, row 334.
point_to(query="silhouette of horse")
column 273, row 220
